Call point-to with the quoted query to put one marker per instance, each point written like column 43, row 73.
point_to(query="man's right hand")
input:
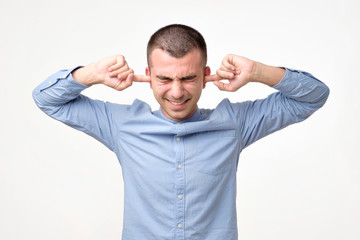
column 111, row 71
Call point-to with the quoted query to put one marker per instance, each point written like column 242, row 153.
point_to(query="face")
column 177, row 82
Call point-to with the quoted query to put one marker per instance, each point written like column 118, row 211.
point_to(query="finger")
column 227, row 69
column 129, row 80
column 117, row 72
column 224, row 86
column 124, row 75
column 212, row 78
column 227, row 64
column 120, row 62
column 225, row 74
column 125, row 83
column 141, row 78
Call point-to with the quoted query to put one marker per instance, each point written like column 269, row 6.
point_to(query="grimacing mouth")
column 177, row 103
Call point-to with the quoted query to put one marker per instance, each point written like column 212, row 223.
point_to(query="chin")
column 176, row 116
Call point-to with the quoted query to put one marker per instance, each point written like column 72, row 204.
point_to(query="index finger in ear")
column 225, row 74
column 141, row 78
column 212, row 78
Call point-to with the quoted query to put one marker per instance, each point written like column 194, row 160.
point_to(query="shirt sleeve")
column 59, row 96
column 299, row 95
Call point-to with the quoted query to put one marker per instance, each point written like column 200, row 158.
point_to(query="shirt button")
column 179, row 166
column 180, row 197
column 179, row 225
column 178, row 139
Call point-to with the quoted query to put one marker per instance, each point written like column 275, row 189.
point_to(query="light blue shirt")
column 180, row 177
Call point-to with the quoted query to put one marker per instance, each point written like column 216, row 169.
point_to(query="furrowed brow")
column 188, row 77
column 162, row 77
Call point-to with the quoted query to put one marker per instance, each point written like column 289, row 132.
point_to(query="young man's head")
column 177, row 58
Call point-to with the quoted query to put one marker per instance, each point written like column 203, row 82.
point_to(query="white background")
column 300, row 183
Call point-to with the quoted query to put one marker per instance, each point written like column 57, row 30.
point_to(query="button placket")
column 179, row 184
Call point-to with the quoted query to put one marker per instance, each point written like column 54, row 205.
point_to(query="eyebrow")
column 189, row 77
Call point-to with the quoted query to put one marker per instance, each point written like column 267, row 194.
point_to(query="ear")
column 207, row 72
column 147, row 73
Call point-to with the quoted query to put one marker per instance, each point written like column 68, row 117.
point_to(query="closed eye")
column 165, row 78
column 190, row 77
column 185, row 78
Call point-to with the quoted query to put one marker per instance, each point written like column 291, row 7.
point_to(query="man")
column 179, row 163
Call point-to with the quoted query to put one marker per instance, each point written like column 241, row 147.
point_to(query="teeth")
column 176, row 104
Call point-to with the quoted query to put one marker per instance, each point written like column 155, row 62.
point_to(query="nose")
column 177, row 89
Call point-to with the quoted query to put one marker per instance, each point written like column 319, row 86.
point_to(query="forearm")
column 57, row 90
column 87, row 75
column 303, row 87
column 66, row 85
column 59, row 96
column 297, row 85
column 266, row 74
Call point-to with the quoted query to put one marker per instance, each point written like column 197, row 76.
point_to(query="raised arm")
column 59, row 96
column 299, row 95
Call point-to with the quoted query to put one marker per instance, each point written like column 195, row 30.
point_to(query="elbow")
column 36, row 98
column 319, row 98
column 43, row 102
column 323, row 97
column 39, row 99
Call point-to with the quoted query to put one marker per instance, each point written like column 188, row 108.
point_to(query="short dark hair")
column 177, row 40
